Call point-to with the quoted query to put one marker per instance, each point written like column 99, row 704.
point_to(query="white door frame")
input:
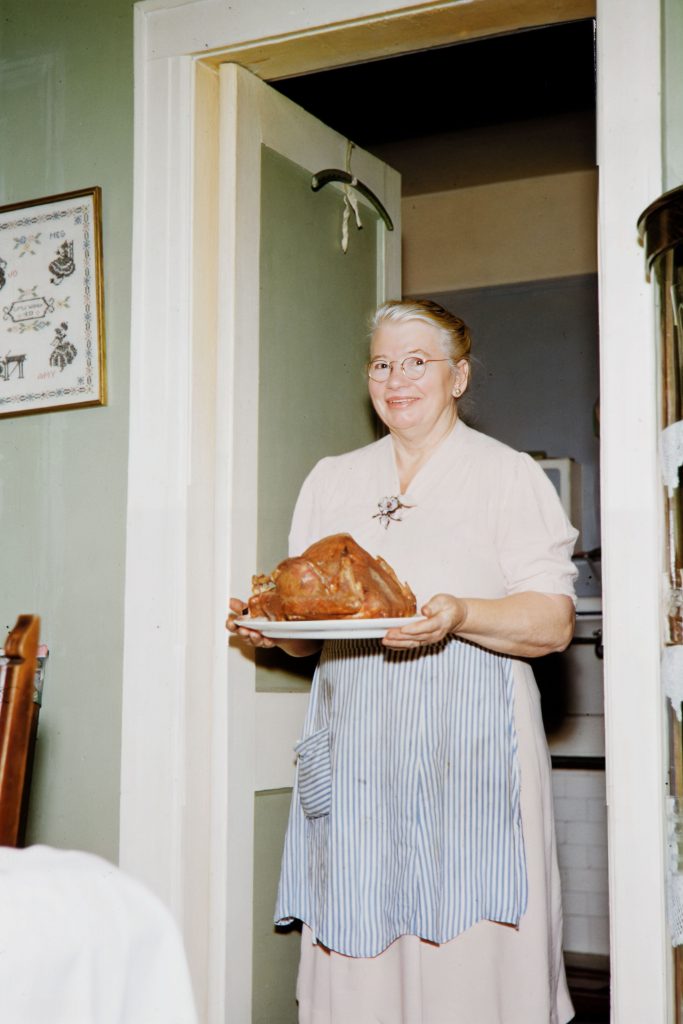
column 630, row 121
column 175, row 788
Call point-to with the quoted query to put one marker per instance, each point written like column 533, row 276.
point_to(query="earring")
column 457, row 392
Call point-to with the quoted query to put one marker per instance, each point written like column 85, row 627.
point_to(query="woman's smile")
column 400, row 401
column 417, row 408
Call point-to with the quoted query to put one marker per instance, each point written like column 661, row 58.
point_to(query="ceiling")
column 522, row 76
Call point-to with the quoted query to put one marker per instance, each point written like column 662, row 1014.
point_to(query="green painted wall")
column 672, row 92
column 66, row 122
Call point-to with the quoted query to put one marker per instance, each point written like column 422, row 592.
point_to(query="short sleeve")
column 535, row 537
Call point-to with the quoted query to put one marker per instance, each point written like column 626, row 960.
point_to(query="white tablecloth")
column 83, row 943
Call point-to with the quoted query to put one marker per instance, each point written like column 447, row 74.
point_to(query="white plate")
column 326, row 629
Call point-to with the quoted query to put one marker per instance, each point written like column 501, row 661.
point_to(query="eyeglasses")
column 412, row 367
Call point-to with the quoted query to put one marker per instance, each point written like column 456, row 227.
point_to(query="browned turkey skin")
column 335, row 578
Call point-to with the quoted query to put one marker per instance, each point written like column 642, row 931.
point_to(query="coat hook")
column 331, row 174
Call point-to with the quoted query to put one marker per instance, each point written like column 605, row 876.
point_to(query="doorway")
column 172, row 811
column 482, row 180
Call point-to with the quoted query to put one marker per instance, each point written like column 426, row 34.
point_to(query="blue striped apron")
column 405, row 815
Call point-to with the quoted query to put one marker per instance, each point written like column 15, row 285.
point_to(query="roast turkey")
column 335, row 578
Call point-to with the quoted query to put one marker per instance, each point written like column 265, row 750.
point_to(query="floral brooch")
column 390, row 511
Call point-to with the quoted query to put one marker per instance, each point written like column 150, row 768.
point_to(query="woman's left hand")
column 443, row 613
column 526, row 625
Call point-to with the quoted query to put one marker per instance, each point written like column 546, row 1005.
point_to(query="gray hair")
column 454, row 334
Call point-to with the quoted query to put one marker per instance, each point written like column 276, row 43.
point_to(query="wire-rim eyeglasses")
column 412, row 367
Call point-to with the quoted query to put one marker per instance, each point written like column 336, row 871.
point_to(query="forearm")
column 525, row 625
column 522, row 625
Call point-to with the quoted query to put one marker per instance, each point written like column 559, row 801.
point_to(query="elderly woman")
column 420, row 853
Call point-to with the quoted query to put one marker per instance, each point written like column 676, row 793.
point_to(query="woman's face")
column 414, row 406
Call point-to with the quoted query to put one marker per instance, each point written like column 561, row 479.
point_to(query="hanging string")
column 350, row 200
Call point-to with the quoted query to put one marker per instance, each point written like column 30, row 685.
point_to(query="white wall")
column 581, row 824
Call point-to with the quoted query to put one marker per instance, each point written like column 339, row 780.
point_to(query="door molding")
column 630, row 121
column 174, row 784
column 355, row 31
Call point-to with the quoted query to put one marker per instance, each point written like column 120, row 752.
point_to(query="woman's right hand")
column 295, row 648
column 238, row 610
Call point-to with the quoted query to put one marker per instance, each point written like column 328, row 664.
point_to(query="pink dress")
column 483, row 522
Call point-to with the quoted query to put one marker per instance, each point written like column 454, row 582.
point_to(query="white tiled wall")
column 581, row 824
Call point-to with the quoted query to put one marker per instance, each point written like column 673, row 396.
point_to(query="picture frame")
column 52, row 340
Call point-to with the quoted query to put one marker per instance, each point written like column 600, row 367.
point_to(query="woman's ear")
column 462, row 376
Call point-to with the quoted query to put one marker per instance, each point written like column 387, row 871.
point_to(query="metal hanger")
column 330, row 174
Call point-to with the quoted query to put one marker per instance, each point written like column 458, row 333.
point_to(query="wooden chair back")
column 18, row 726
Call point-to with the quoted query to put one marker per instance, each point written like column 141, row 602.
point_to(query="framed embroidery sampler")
column 52, row 353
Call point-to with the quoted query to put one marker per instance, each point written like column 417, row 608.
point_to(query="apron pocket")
column 315, row 774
